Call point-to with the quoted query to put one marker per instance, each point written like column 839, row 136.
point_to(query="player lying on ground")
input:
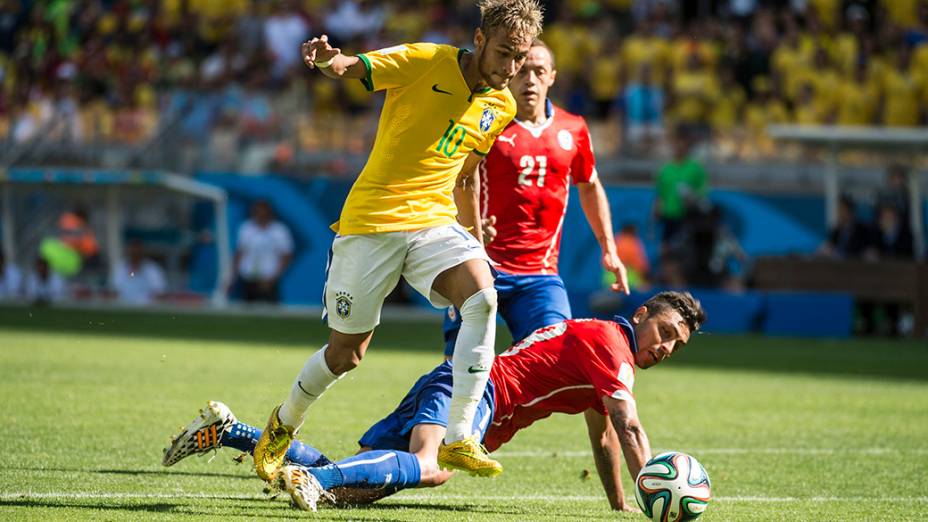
column 524, row 182
column 406, row 215
column 578, row 366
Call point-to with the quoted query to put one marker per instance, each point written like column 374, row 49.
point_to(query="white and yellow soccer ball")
column 673, row 487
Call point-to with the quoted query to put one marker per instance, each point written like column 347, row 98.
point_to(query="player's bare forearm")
column 607, row 456
column 467, row 196
column 318, row 53
column 630, row 432
column 596, row 208
column 345, row 67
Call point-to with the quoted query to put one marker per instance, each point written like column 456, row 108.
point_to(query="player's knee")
column 480, row 305
column 343, row 358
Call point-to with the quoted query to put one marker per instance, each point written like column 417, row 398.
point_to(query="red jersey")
column 567, row 367
column 525, row 183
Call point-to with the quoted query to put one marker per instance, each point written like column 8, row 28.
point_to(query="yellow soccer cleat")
column 272, row 447
column 468, row 455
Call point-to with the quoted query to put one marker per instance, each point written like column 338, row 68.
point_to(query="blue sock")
column 371, row 469
column 244, row 437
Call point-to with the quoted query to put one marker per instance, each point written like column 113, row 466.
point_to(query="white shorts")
column 364, row 268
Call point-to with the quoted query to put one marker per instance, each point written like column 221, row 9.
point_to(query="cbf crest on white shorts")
column 343, row 304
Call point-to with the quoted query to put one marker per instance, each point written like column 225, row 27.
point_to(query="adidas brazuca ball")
column 672, row 487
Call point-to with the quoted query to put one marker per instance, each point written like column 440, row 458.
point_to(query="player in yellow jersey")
column 413, row 211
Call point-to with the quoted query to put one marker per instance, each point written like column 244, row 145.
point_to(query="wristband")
column 327, row 63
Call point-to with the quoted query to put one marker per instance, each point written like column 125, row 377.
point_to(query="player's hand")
column 318, row 50
column 628, row 508
column 488, row 226
column 612, row 263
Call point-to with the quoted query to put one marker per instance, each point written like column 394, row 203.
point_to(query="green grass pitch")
column 788, row 429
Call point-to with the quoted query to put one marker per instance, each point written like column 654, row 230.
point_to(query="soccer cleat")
column 305, row 491
column 202, row 435
column 272, row 447
column 468, row 455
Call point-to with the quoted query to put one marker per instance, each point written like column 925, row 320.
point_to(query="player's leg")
column 451, row 324
column 216, row 427
column 449, row 266
column 401, row 449
column 244, row 437
column 468, row 286
column 535, row 301
column 423, row 443
column 384, row 453
column 362, row 270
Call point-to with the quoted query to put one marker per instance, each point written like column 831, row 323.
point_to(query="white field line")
column 731, row 451
column 420, row 497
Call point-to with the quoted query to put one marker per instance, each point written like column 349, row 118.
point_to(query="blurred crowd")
column 68, row 264
column 224, row 77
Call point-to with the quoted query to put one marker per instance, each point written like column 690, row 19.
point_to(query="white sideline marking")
column 732, row 451
column 590, row 498
column 420, row 497
column 102, row 496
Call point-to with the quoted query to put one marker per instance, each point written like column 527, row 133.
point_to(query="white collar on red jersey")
column 536, row 130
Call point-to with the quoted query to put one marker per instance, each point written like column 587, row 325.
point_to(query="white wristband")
column 323, row 65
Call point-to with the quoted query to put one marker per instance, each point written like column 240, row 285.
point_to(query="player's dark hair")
column 683, row 302
column 538, row 42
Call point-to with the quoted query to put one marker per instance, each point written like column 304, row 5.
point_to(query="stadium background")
column 95, row 92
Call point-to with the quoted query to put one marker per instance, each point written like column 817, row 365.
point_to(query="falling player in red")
column 525, row 182
column 577, row 366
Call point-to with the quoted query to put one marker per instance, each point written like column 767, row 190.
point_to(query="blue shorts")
column 426, row 403
column 526, row 302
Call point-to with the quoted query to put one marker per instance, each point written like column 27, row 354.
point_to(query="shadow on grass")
column 472, row 509
column 303, row 332
column 231, row 507
column 133, row 472
column 155, row 507
column 867, row 358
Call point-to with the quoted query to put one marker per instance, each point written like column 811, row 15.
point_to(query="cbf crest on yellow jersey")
column 430, row 122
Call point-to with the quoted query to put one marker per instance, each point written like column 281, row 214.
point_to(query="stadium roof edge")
column 71, row 176
column 836, row 137
column 869, row 137
column 111, row 181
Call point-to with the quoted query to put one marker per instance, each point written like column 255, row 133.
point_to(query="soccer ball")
column 672, row 487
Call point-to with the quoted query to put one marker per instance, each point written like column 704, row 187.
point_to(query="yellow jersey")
column 900, row 91
column 429, row 124
column 857, row 103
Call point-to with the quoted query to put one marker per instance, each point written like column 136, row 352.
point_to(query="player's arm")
column 624, row 416
column 467, row 196
column 607, row 454
column 319, row 54
column 596, row 207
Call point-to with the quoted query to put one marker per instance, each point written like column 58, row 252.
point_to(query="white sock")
column 314, row 379
column 473, row 350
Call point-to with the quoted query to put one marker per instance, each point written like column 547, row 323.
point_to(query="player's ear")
column 640, row 315
column 553, row 77
column 479, row 39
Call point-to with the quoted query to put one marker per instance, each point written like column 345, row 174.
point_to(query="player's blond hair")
column 522, row 17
